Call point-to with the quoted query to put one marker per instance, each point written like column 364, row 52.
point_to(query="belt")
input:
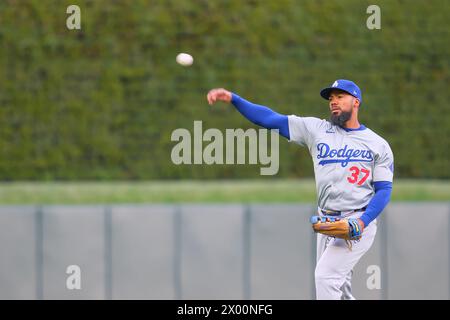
column 338, row 213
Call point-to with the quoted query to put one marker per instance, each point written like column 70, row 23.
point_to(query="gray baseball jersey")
column 346, row 162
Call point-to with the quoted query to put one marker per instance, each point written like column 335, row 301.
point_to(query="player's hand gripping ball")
column 348, row 229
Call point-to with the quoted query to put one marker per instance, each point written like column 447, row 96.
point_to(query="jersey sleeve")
column 384, row 165
column 302, row 130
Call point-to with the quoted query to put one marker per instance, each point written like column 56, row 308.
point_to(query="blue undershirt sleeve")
column 261, row 115
column 383, row 190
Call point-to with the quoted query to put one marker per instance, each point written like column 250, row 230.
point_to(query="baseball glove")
column 347, row 229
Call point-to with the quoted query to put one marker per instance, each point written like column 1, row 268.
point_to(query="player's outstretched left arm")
column 258, row 114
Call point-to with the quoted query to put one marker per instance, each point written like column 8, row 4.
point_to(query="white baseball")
column 185, row 59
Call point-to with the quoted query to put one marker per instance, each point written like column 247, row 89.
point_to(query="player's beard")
column 340, row 120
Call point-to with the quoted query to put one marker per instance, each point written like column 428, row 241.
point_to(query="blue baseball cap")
column 345, row 85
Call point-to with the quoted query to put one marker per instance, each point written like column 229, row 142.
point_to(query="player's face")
column 341, row 107
column 340, row 101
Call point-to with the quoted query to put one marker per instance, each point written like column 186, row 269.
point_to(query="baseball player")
column 353, row 169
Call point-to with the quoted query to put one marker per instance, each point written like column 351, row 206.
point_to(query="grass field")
column 196, row 191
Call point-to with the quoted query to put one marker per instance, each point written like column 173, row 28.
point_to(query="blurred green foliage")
column 102, row 102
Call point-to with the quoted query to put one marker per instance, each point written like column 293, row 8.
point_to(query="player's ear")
column 357, row 103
